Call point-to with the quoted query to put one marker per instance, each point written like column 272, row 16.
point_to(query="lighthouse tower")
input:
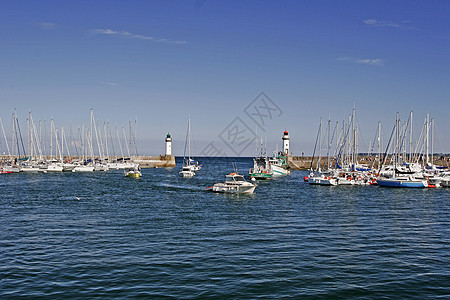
column 168, row 145
column 285, row 139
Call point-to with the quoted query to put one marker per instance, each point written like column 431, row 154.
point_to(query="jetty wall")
column 161, row 161
column 304, row 162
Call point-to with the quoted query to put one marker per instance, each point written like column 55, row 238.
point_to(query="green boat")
column 261, row 169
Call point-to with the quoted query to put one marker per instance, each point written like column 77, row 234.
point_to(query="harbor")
column 224, row 149
column 397, row 166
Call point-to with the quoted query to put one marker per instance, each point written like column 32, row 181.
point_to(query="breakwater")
column 304, row 162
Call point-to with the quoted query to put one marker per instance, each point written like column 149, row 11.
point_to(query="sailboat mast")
column 118, row 139
column 51, row 139
column 410, row 135
column 134, row 137
column 320, row 144
column 428, row 137
column 328, row 146
column 189, row 138
column 379, row 143
column 106, row 139
column 4, row 135
column 432, row 139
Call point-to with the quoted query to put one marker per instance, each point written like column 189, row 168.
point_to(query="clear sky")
column 161, row 61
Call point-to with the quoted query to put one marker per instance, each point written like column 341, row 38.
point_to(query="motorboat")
column 133, row 173
column 234, row 184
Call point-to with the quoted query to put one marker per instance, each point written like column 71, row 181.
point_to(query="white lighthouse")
column 168, row 145
column 285, row 139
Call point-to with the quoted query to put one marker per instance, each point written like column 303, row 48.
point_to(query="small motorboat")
column 134, row 173
column 234, row 184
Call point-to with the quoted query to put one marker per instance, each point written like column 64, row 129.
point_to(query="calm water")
column 164, row 236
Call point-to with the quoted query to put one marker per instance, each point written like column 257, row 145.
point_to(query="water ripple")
column 104, row 236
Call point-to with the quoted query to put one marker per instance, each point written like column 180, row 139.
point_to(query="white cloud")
column 364, row 61
column 109, row 83
column 126, row 34
column 378, row 23
column 46, row 25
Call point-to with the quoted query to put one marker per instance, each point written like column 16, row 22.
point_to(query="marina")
column 224, row 149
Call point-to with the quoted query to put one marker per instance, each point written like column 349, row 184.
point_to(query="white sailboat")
column 190, row 166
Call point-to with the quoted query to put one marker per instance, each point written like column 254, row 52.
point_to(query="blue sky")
column 161, row 61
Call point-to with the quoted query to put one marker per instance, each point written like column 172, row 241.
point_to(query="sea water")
column 102, row 235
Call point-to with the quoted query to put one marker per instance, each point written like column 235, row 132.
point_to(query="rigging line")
column 358, row 126
column 387, row 148
column 21, row 140
column 186, row 140
column 4, row 135
column 442, row 147
column 315, row 145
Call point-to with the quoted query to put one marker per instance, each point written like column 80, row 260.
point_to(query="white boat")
column 121, row 165
column 443, row 180
column 322, row 180
column 187, row 172
column 54, row 167
column 101, row 167
column 194, row 165
column 278, row 166
column 68, row 166
column 234, row 184
column 190, row 166
column 83, row 168
column 30, row 167
column 11, row 168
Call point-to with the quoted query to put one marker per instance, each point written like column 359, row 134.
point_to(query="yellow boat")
column 136, row 173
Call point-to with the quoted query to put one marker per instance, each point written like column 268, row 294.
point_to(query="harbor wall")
column 304, row 162
column 161, row 161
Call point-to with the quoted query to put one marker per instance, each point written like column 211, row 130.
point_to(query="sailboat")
column 400, row 176
column 318, row 176
column 190, row 166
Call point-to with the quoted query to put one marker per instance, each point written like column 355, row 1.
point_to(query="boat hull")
column 83, row 169
column 233, row 189
column 261, row 176
column 279, row 171
column 322, row 181
column 392, row 182
column 135, row 175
